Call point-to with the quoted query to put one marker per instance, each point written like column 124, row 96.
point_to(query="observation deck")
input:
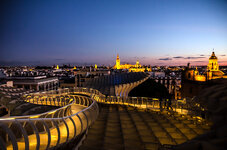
column 116, row 123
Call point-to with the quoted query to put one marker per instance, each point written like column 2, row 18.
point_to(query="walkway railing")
column 194, row 110
column 50, row 129
column 179, row 106
column 76, row 113
column 143, row 102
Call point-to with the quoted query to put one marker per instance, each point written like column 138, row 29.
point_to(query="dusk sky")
column 157, row 32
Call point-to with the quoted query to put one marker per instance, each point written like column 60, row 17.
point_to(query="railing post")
column 74, row 125
column 36, row 133
column 153, row 103
column 86, row 119
column 24, row 133
column 80, row 123
column 11, row 136
column 58, row 130
column 67, row 129
column 181, row 108
column 48, row 132
column 146, row 102
column 134, row 102
column 141, row 102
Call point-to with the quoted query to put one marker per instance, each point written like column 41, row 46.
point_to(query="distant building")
column 83, row 76
column 158, row 74
column 194, row 82
column 57, row 67
column 38, row 83
column 132, row 68
column 212, row 72
column 2, row 74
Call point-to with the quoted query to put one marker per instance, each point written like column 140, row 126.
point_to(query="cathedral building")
column 212, row 71
column 193, row 82
column 132, row 68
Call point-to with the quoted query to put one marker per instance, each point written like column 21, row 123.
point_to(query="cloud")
column 127, row 62
column 222, row 55
column 189, row 57
column 194, row 57
column 139, row 57
column 199, row 61
column 177, row 57
column 165, row 59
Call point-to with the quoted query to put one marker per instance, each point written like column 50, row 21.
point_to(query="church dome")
column 213, row 56
column 217, row 73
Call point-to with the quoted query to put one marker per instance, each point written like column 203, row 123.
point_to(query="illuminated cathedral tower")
column 118, row 64
column 213, row 71
column 137, row 65
column 213, row 63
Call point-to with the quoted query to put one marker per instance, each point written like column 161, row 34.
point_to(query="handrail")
column 142, row 102
column 58, row 127
column 35, row 116
column 64, row 124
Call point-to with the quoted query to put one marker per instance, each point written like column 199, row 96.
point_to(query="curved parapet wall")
column 124, row 89
column 51, row 129
column 111, row 84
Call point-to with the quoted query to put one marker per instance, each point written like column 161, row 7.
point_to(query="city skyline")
column 93, row 32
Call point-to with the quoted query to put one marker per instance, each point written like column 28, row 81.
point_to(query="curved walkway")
column 77, row 112
column 121, row 127
column 50, row 129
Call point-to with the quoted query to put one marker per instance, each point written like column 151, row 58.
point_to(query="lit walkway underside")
column 125, row 127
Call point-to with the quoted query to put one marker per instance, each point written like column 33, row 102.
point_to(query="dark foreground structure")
column 86, row 119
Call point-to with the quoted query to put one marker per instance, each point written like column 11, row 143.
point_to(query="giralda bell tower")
column 118, row 64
